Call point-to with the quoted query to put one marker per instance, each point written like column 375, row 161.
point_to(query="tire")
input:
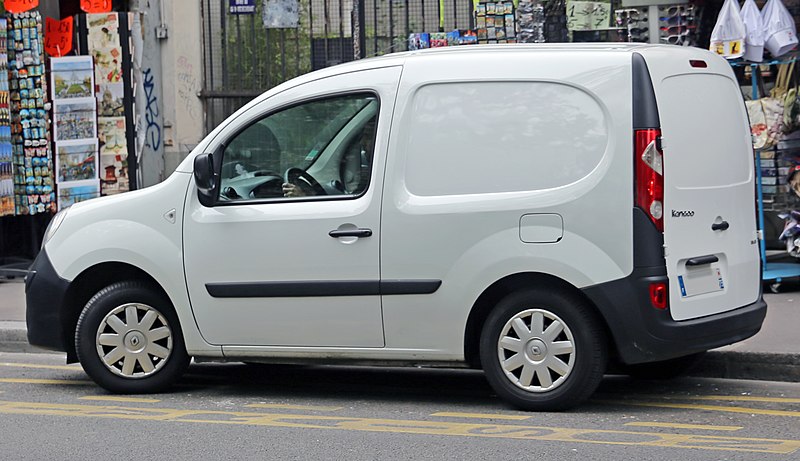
column 535, row 371
column 665, row 369
column 118, row 352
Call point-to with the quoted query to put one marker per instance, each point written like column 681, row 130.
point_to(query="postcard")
column 76, row 160
column 72, row 77
column 73, row 193
column 74, row 119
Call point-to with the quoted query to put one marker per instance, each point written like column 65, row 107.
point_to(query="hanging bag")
column 767, row 113
column 791, row 108
column 758, row 123
column 774, row 105
column 727, row 38
column 754, row 28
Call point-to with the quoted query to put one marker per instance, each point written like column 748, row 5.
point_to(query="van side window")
column 311, row 150
column 532, row 136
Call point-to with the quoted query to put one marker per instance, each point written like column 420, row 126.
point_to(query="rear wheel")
column 129, row 340
column 543, row 349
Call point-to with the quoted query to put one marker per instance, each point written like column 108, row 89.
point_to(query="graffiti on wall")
column 188, row 85
column 153, row 130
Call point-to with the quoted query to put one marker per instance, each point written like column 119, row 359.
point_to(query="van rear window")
column 485, row 137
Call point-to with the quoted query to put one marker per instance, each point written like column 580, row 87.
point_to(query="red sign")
column 96, row 6
column 20, row 6
column 58, row 36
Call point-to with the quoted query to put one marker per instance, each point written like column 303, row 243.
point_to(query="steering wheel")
column 309, row 185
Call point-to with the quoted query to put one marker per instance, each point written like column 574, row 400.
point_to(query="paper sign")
column 729, row 48
column 588, row 15
column 281, row 14
column 58, row 36
column 19, row 6
column 96, row 6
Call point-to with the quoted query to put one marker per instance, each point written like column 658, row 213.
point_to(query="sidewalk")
column 13, row 336
column 773, row 354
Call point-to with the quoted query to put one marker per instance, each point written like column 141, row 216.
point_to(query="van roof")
column 380, row 61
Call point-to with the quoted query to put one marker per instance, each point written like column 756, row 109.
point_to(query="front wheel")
column 543, row 350
column 128, row 339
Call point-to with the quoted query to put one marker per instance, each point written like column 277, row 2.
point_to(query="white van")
column 536, row 211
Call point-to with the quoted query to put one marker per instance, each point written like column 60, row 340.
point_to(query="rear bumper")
column 44, row 294
column 642, row 333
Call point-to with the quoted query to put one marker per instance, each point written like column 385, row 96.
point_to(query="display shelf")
column 772, row 194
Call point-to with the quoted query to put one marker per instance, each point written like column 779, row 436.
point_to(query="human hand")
column 292, row 190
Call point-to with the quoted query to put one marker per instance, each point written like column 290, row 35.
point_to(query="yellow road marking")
column 731, row 398
column 743, row 398
column 280, row 406
column 43, row 367
column 42, row 381
column 479, row 415
column 505, row 431
column 112, row 398
column 691, row 406
column 686, row 426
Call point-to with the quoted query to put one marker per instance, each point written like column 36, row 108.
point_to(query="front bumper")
column 642, row 333
column 45, row 292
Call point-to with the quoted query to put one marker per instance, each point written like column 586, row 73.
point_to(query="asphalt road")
column 232, row 411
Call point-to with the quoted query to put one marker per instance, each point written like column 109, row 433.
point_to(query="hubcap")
column 536, row 350
column 134, row 340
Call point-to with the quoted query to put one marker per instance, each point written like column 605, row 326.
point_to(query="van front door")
column 288, row 256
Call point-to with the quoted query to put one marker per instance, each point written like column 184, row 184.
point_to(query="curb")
column 14, row 338
column 761, row 366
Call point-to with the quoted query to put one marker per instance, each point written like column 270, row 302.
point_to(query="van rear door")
column 710, row 239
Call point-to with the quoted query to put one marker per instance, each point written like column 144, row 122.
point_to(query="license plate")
column 701, row 280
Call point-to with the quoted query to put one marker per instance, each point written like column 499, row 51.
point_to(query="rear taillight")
column 649, row 171
column 658, row 295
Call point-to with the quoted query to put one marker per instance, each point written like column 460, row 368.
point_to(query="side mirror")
column 206, row 179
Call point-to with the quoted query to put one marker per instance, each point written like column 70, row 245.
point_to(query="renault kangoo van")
column 539, row 212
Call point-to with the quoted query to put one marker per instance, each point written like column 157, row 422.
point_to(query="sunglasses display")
column 676, row 25
column 531, row 22
column 632, row 25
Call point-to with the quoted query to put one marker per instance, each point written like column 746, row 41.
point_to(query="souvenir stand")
column 773, row 196
column 27, row 197
column 67, row 127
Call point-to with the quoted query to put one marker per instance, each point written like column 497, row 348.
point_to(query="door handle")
column 336, row 233
column 701, row 260
column 721, row 226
